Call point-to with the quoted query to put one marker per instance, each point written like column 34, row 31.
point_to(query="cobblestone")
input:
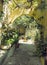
column 23, row 56
column 2, row 55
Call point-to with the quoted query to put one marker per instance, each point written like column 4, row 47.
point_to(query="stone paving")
column 2, row 55
column 23, row 56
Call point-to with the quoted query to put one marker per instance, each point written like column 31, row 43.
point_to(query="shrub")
column 9, row 37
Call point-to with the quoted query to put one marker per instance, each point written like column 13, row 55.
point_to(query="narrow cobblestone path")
column 23, row 56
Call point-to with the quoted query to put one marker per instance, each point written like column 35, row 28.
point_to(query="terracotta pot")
column 5, row 46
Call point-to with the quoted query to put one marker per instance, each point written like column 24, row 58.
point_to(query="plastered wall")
column 37, row 13
column 1, row 6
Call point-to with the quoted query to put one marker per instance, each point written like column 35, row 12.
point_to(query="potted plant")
column 9, row 36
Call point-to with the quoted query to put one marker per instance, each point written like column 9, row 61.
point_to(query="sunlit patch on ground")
column 21, row 41
column 2, row 53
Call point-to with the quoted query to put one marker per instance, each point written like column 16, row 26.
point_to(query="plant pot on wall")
column 5, row 46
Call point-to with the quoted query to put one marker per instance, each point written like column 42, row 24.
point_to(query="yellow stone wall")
column 1, row 6
column 32, row 12
column 45, row 22
column 38, row 13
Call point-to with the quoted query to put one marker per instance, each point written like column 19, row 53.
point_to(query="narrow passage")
column 24, row 56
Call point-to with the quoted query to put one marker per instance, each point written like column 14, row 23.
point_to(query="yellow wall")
column 45, row 22
column 1, row 6
column 36, row 13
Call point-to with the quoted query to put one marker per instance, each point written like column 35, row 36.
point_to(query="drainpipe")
column 0, row 31
column 46, row 57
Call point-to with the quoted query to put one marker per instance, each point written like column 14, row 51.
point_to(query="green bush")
column 40, row 45
column 9, row 37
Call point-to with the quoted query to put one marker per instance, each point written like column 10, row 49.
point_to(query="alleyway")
column 23, row 56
